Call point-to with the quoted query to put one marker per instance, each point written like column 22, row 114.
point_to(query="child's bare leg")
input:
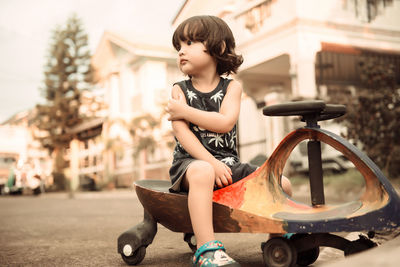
column 200, row 181
column 286, row 186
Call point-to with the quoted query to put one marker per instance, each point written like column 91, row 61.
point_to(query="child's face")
column 193, row 58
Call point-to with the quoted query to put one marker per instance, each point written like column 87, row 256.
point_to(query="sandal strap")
column 209, row 246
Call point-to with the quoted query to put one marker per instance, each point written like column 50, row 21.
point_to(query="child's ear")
column 222, row 48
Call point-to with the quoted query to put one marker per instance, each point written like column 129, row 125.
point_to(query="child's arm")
column 219, row 122
column 223, row 174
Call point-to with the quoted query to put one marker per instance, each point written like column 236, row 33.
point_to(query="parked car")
column 332, row 160
column 7, row 160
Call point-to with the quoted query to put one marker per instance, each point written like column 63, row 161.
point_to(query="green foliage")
column 373, row 117
column 117, row 146
column 142, row 132
column 67, row 72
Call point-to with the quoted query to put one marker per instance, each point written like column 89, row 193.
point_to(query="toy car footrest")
column 316, row 214
column 316, row 109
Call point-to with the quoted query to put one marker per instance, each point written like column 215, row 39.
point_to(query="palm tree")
column 217, row 97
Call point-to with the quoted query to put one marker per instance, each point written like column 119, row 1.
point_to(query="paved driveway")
column 54, row 230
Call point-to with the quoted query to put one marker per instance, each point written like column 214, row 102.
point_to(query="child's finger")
column 181, row 98
column 228, row 169
column 224, row 180
column 228, row 177
column 230, row 181
column 218, row 182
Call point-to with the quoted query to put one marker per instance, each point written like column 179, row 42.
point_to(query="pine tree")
column 67, row 72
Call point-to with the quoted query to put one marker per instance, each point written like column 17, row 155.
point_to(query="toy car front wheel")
column 279, row 252
column 136, row 257
column 190, row 239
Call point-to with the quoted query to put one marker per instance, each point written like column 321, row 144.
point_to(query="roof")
column 150, row 45
column 179, row 12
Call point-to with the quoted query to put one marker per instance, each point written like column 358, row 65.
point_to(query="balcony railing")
column 253, row 15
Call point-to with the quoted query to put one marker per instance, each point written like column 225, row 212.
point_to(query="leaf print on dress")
column 191, row 95
column 217, row 97
column 229, row 161
column 218, row 140
column 232, row 139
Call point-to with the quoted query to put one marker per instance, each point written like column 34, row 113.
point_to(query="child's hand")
column 223, row 174
column 176, row 108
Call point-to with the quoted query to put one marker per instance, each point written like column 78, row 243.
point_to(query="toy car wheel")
column 190, row 239
column 279, row 252
column 136, row 257
column 305, row 258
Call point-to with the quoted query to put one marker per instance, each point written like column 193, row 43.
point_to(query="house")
column 136, row 74
column 299, row 49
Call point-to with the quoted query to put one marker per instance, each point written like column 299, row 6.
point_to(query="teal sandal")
column 212, row 254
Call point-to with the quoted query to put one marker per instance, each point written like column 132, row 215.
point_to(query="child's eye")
column 189, row 42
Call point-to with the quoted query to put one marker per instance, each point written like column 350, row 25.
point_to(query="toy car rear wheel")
column 136, row 257
column 190, row 239
column 279, row 252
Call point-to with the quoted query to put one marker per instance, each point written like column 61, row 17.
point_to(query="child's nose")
column 181, row 50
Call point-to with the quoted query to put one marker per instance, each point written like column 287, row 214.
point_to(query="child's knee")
column 286, row 186
column 200, row 172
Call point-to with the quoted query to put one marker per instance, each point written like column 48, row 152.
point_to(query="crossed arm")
column 218, row 122
column 221, row 122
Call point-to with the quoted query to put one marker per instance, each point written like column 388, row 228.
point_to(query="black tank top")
column 221, row 145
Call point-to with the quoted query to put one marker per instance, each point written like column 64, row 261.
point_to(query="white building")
column 298, row 49
column 137, row 75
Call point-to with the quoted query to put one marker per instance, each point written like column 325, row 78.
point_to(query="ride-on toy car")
column 257, row 203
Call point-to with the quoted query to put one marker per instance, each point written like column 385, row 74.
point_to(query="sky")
column 25, row 35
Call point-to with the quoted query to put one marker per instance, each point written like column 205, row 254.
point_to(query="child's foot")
column 213, row 254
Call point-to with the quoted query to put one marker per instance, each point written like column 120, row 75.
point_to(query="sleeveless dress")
column 221, row 145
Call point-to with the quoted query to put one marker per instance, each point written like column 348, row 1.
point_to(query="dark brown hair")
column 214, row 33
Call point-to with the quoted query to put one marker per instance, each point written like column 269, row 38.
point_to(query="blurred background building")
column 293, row 49
column 20, row 153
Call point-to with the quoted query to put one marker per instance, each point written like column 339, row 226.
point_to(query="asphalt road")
column 55, row 230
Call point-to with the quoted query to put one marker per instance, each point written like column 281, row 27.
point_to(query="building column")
column 274, row 124
column 74, row 165
column 114, row 94
column 302, row 72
